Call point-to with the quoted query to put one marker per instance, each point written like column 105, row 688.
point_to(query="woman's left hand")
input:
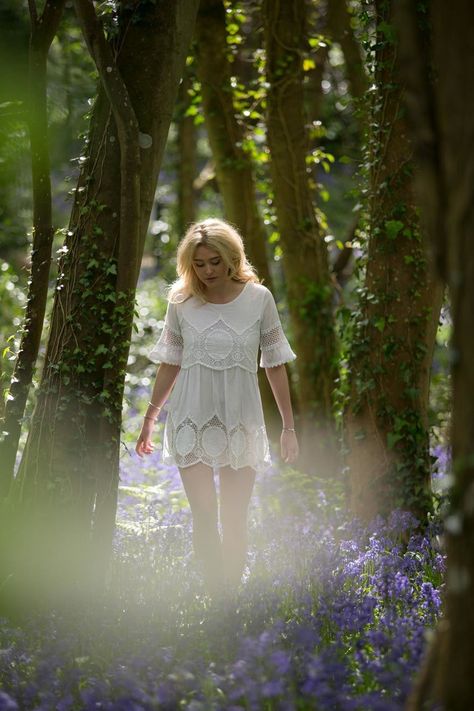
column 289, row 447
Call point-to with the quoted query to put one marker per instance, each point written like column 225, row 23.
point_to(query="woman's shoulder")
column 257, row 289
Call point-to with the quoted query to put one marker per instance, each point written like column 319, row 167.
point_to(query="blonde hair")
column 224, row 239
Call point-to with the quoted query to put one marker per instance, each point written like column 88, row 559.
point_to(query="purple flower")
column 7, row 703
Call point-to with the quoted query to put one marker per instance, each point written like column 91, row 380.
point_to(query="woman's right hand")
column 144, row 444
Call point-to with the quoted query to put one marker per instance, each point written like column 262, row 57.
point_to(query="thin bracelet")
column 288, row 429
column 147, row 417
column 157, row 407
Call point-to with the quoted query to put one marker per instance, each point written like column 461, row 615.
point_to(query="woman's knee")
column 233, row 520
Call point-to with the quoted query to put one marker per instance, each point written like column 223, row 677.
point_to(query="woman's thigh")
column 235, row 490
column 200, row 488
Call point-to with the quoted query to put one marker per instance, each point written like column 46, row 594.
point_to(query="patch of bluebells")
column 331, row 614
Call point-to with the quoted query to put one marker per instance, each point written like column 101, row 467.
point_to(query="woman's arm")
column 278, row 379
column 165, row 377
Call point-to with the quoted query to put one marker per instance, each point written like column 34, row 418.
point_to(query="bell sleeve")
column 274, row 345
column 169, row 347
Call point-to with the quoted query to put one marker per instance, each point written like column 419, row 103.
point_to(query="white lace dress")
column 215, row 411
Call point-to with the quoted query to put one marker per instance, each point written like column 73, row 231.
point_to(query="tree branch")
column 338, row 19
column 33, row 12
column 49, row 21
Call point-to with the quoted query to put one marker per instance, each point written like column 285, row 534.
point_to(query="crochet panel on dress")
column 219, row 346
column 216, row 445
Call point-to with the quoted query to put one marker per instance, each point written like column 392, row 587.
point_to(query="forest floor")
column 330, row 615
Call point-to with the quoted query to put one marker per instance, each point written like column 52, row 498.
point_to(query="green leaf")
column 380, row 324
column 393, row 438
column 393, row 227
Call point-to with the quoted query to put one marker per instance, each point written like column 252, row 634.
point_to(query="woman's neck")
column 224, row 292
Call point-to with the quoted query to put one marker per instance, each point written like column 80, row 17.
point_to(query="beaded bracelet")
column 288, row 429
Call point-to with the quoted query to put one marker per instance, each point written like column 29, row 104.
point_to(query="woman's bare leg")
column 198, row 482
column 236, row 487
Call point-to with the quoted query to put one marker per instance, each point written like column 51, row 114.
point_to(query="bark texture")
column 43, row 30
column 305, row 261
column 444, row 138
column 68, row 476
column 386, row 422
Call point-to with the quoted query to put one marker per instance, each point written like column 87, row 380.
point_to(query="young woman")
column 218, row 316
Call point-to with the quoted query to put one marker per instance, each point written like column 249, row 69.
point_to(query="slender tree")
column 340, row 30
column 43, row 30
column 439, row 98
column 387, row 416
column 234, row 170
column 187, row 160
column 233, row 164
column 305, row 260
column 68, row 478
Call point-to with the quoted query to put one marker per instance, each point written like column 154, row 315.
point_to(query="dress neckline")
column 228, row 303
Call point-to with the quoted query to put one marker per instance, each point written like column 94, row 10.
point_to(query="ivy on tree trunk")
column 386, row 422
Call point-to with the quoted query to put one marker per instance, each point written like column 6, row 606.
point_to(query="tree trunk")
column 187, row 162
column 43, row 30
column 386, row 424
column 339, row 26
column 444, row 136
column 305, row 260
column 233, row 164
column 69, row 471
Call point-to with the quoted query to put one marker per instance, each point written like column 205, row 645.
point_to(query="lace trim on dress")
column 272, row 337
column 216, row 445
column 169, row 348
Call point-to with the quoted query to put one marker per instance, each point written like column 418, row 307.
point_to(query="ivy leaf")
column 393, row 227
column 393, row 438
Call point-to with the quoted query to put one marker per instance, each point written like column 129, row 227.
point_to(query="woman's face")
column 209, row 266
